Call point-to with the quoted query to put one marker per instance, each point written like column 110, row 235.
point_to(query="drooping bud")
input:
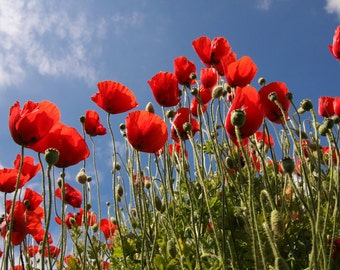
column 194, row 91
column 170, row 114
column 289, row 96
column 82, row 119
column 119, row 190
column 262, row 81
column 329, row 123
column 158, row 203
column 51, row 156
column 122, row 126
column 187, row 127
column 27, row 204
column 217, row 92
column 150, row 108
column 193, row 76
column 288, row 165
column 306, row 104
column 95, row 228
column 81, row 176
column 323, row 129
column 273, row 96
column 238, row 118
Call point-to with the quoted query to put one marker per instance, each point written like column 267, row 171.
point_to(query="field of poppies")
column 225, row 173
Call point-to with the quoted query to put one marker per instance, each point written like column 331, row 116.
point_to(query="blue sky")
column 59, row 50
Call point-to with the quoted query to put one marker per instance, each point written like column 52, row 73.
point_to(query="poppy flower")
column 212, row 51
column 19, row 223
column 52, row 251
column 72, row 196
column 145, row 131
column 31, row 250
column 326, row 106
column 31, row 123
column 209, row 77
column 183, row 69
column 70, row 144
column 335, row 47
column 246, row 99
column 114, row 97
column 8, row 176
column 92, row 125
column 40, row 236
column 336, row 106
column 107, row 228
column 33, row 198
column 204, row 94
column 271, row 110
column 164, row 86
column 181, row 117
column 241, row 72
column 264, row 138
column 196, row 108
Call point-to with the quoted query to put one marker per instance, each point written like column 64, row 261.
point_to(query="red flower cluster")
column 72, row 196
column 182, row 117
column 184, row 70
column 108, row 228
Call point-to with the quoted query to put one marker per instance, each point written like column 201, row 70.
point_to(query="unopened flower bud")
column 122, row 126
column 272, row 96
column 288, row 165
column 336, row 119
column 262, row 81
column 60, row 182
column 27, row 203
column 117, row 166
column 238, row 118
column 149, row 107
column 323, row 130
column 51, row 156
column 276, row 223
column 114, row 220
column 170, row 114
column 88, row 206
column 306, row 104
column 119, row 190
column 89, row 178
column 217, row 92
column 289, row 96
column 147, row 184
column 187, row 127
column 329, row 123
column 158, row 203
column 229, row 162
column 95, row 228
column 194, row 91
column 82, row 119
column 73, row 221
column 134, row 212
column 193, row 76
column 81, row 176
column 108, row 204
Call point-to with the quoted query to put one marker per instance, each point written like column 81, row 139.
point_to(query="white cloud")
column 48, row 39
column 123, row 21
column 333, row 6
column 264, row 4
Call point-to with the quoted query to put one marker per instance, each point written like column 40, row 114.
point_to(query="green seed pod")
column 276, row 223
column 170, row 114
column 171, row 248
column 194, row 91
column 323, row 130
column 119, row 190
column 238, row 118
column 81, row 176
column 158, row 203
column 95, row 228
column 51, row 156
column 306, row 104
column 217, row 91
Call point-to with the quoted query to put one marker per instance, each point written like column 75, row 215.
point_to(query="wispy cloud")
column 333, row 6
column 48, row 39
column 264, row 4
column 123, row 21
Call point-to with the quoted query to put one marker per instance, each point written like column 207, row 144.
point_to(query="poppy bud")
column 149, row 107
column 329, row 123
column 107, row 203
column 323, row 129
column 306, row 104
column 262, row 81
column 193, row 76
column 288, row 165
column 158, row 203
column 114, row 221
column 289, row 96
column 89, row 178
column 122, row 126
column 73, row 221
column 217, row 91
column 187, row 127
column 95, row 228
column 238, row 118
column 81, row 176
column 336, row 119
column 51, row 156
column 60, row 182
column 273, row 96
column 134, row 212
column 119, row 190
column 194, row 91
column 171, row 248
column 276, row 223
column 88, row 206
column 27, row 203
column 230, row 163
column 117, row 166
column 170, row 114
column 82, row 119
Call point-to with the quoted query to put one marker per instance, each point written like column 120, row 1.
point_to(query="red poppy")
column 40, row 236
column 246, row 99
column 326, row 106
column 107, row 228
column 33, row 198
column 145, row 131
column 19, row 230
column 263, row 137
column 204, row 94
column 241, row 72
column 31, row 123
column 114, row 97
column 177, row 149
column 91, row 217
column 68, row 220
column 271, row 110
column 92, row 125
column 72, row 196
column 183, row 69
column 31, row 250
column 211, row 52
column 183, row 116
column 164, row 86
column 51, row 251
column 226, row 61
column 17, row 267
column 144, row 181
column 70, row 144
column 336, row 247
column 209, row 77
column 335, row 47
column 336, row 106
column 196, row 108
column 8, row 176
